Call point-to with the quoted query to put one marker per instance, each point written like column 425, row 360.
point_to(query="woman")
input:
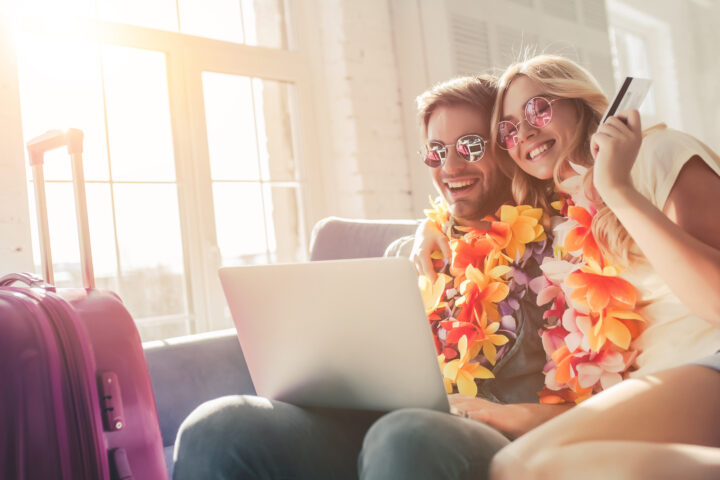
column 650, row 198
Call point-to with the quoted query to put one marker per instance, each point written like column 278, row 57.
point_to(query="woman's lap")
column 673, row 406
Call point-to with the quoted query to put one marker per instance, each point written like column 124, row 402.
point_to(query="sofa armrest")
column 335, row 238
column 188, row 371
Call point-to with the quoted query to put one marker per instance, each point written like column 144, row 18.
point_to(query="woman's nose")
column 526, row 130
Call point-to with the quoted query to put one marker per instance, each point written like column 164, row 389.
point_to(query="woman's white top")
column 674, row 335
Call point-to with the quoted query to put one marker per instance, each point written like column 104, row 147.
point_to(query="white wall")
column 15, row 250
column 360, row 130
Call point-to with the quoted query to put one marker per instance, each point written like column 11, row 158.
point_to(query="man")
column 251, row 437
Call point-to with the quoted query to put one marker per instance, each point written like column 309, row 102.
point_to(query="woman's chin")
column 541, row 172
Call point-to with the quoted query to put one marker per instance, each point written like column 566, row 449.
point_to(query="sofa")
column 188, row 371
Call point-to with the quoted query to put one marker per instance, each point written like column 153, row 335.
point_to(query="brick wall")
column 361, row 133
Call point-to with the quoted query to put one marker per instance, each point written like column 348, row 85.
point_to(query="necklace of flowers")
column 470, row 304
column 592, row 320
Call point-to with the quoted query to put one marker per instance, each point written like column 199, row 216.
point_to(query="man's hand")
column 427, row 240
column 512, row 419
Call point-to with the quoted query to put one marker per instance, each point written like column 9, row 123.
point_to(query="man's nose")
column 454, row 162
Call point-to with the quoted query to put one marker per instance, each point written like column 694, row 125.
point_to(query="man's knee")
column 428, row 444
column 210, row 435
column 402, row 432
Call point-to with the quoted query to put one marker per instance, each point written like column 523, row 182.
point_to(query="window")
column 193, row 155
column 642, row 46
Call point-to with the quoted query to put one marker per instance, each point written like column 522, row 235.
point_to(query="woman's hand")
column 615, row 146
column 427, row 240
column 512, row 419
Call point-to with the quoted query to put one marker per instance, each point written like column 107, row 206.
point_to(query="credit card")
column 630, row 96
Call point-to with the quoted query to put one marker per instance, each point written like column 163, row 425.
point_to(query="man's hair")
column 477, row 91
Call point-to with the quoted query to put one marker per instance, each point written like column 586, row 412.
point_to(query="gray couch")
column 186, row 374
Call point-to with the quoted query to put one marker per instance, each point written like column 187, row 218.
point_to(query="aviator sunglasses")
column 538, row 113
column 470, row 147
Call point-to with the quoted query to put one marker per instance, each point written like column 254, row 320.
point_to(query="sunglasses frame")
column 525, row 119
column 441, row 162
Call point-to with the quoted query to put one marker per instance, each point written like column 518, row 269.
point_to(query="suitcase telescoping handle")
column 71, row 138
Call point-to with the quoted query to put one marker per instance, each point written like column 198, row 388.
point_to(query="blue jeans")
column 245, row 437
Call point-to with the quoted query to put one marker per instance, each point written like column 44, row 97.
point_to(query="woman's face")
column 538, row 149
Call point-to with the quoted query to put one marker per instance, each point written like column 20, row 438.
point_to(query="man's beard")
column 475, row 209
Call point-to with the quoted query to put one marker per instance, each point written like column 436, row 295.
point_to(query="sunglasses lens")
column 471, row 147
column 435, row 155
column 538, row 112
column 507, row 135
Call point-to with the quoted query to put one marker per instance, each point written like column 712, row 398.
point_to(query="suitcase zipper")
column 75, row 364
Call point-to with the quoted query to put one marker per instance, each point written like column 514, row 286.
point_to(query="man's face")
column 471, row 189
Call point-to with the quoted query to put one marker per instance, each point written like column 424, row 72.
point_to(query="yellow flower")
column 463, row 373
column 613, row 325
column 487, row 337
column 439, row 213
column 446, row 381
column 432, row 292
column 525, row 225
column 485, row 287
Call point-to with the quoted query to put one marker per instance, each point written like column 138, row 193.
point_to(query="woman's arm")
column 682, row 242
column 428, row 239
column 512, row 419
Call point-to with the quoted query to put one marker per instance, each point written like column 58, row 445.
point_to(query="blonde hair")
column 476, row 91
column 563, row 78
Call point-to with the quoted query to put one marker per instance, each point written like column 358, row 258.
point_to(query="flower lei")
column 591, row 320
column 471, row 303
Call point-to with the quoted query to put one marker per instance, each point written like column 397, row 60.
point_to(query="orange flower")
column 581, row 237
column 555, row 397
column 463, row 373
column 485, row 288
column 477, row 332
column 597, row 287
column 466, row 253
column 524, row 224
column 498, row 233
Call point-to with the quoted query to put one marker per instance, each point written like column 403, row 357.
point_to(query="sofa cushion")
column 334, row 238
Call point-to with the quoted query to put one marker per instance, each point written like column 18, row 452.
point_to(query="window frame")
column 186, row 58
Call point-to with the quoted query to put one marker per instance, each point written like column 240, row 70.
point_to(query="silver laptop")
column 341, row 333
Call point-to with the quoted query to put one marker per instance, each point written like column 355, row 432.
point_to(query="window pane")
column 58, row 11
column 249, row 128
column 63, row 233
column 160, row 14
column 240, row 223
column 150, row 248
column 273, row 103
column 253, row 22
column 232, row 140
column 284, row 231
column 138, row 115
column 60, row 87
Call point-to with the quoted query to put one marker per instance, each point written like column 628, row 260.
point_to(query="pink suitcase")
column 76, row 401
